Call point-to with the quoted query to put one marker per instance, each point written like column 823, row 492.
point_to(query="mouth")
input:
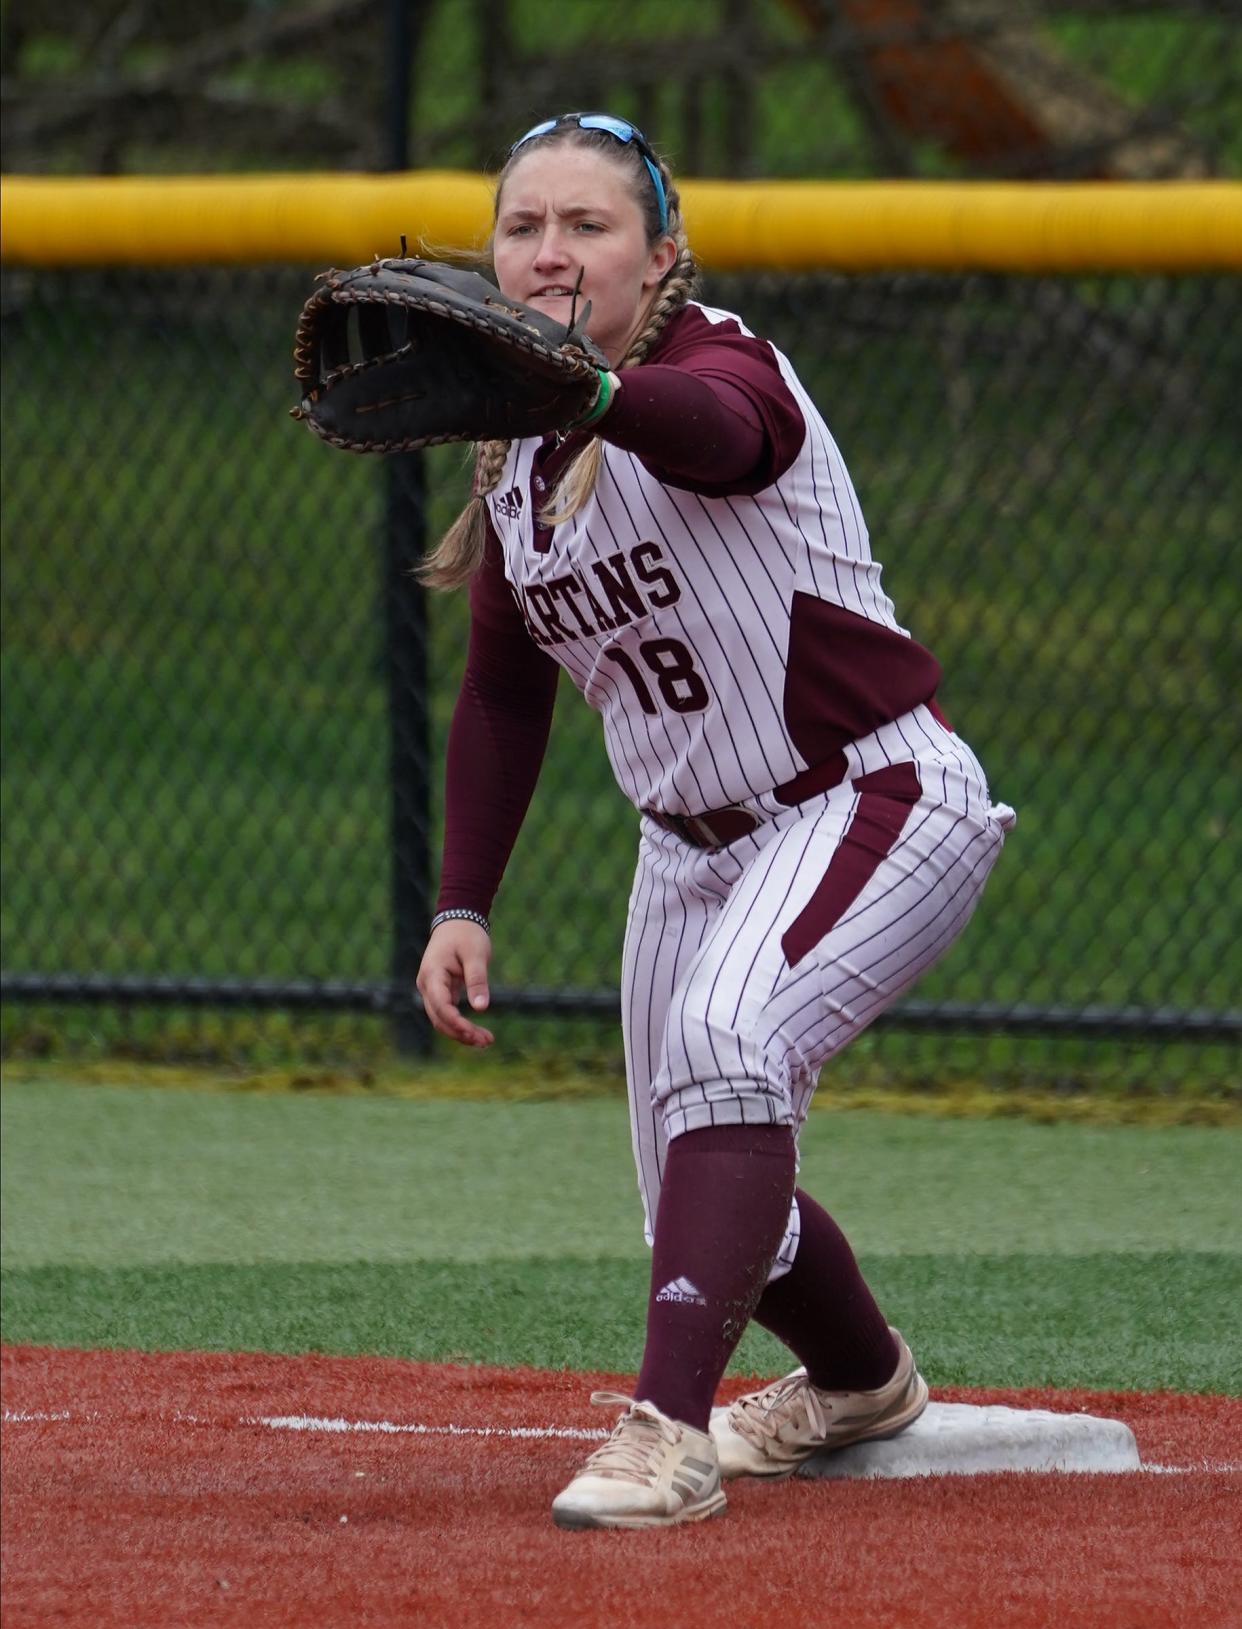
column 552, row 291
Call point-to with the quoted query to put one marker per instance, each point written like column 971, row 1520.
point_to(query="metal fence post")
column 405, row 608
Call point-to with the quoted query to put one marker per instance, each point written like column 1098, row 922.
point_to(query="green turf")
column 1108, row 1320
column 1014, row 1253
column 125, row 1176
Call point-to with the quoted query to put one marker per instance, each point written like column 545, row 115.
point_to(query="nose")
column 552, row 253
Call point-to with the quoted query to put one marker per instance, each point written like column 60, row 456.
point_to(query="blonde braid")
column 578, row 482
column 674, row 292
column 459, row 553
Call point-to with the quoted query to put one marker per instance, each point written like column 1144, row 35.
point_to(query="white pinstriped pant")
column 719, row 1028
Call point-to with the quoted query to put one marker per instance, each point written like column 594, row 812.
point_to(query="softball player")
column 813, row 834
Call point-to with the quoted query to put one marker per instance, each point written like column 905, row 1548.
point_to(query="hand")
column 454, row 961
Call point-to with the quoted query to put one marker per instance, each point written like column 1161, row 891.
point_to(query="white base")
column 958, row 1439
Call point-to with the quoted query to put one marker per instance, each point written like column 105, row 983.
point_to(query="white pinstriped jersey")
column 673, row 612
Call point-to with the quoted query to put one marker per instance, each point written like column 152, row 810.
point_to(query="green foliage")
column 805, row 121
column 1157, row 62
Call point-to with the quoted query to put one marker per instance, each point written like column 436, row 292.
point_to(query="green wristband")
column 600, row 405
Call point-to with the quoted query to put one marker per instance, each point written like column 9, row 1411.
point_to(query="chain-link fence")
column 224, row 705
column 198, row 662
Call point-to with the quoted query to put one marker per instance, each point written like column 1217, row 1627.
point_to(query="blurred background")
column 1142, row 88
column 224, row 701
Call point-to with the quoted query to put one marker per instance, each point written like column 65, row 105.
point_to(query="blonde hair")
column 459, row 553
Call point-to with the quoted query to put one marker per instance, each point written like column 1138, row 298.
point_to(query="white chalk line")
column 306, row 1422
column 512, row 1433
column 311, row 1422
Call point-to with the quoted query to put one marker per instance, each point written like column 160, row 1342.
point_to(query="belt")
column 714, row 829
column 719, row 827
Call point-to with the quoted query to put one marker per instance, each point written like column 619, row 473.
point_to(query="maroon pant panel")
column 886, row 797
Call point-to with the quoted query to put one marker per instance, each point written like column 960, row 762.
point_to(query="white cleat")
column 771, row 1432
column 652, row 1472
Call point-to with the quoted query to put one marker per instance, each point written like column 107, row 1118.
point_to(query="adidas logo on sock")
column 681, row 1289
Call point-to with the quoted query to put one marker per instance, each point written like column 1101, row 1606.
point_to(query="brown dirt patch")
column 156, row 1503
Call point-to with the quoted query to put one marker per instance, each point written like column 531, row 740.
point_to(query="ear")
column 661, row 263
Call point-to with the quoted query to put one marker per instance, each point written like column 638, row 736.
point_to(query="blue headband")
column 621, row 130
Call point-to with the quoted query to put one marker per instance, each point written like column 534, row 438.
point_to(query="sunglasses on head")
column 620, row 130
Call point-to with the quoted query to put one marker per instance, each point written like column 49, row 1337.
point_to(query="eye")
column 590, row 226
column 521, row 230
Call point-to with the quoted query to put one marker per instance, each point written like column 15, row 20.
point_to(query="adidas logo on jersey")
column 509, row 504
column 681, row 1289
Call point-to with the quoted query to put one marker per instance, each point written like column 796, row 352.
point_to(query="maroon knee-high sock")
column 724, row 1205
column 824, row 1312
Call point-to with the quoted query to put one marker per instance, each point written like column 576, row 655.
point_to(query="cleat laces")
column 784, row 1403
column 633, row 1451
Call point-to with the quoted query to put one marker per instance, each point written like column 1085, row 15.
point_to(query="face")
column 566, row 209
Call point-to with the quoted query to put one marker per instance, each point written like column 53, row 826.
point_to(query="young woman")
column 813, row 834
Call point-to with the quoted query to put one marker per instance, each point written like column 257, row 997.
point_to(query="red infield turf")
column 158, row 1489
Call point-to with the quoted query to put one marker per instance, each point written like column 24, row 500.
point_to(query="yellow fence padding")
column 322, row 220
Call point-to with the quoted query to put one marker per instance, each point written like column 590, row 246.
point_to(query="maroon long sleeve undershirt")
column 721, row 423
column 496, row 741
column 689, row 428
